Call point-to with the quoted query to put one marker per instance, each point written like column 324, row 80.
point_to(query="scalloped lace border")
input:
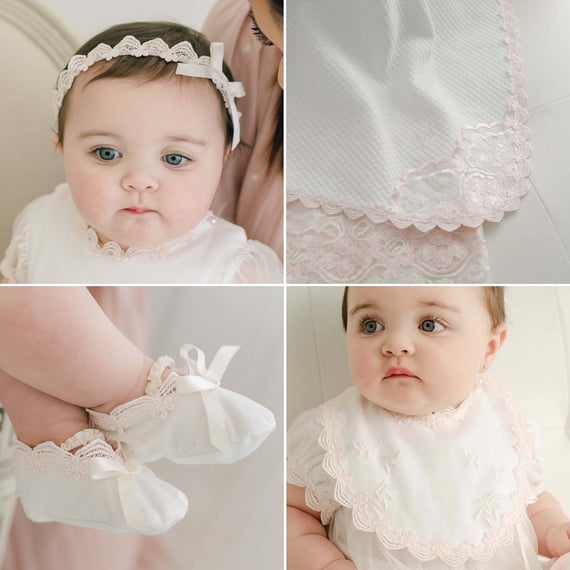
column 485, row 177
column 427, row 550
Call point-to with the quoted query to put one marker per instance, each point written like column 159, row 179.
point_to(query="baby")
column 426, row 462
column 146, row 120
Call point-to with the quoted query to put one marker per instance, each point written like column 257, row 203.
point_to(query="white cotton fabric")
column 446, row 490
column 411, row 112
column 51, row 243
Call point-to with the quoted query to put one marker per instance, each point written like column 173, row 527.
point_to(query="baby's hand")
column 558, row 539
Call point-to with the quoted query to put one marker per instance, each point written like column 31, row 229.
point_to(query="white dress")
column 445, row 490
column 51, row 243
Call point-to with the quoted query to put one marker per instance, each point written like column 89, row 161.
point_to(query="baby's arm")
column 307, row 545
column 551, row 525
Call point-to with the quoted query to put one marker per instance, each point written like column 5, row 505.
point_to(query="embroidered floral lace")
column 332, row 248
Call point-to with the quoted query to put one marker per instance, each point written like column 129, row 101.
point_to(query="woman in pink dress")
column 251, row 189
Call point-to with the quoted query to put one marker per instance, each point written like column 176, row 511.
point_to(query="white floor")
column 532, row 245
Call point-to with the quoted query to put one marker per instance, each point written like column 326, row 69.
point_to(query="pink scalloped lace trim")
column 366, row 520
column 485, row 177
column 157, row 405
column 325, row 248
column 326, row 507
column 48, row 455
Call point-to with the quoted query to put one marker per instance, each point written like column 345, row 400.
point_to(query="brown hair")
column 494, row 301
column 147, row 68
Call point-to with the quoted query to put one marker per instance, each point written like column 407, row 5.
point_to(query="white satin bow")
column 215, row 71
column 105, row 468
column 206, row 381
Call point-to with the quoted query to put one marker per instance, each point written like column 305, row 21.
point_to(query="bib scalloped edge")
column 423, row 550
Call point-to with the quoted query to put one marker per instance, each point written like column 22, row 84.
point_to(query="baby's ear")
column 55, row 141
column 496, row 340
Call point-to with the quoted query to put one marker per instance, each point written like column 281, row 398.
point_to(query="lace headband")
column 189, row 64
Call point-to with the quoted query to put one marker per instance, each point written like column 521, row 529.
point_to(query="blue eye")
column 107, row 154
column 430, row 325
column 370, row 326
column 175, row 159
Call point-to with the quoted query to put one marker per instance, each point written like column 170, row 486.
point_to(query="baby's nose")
column 139, row 180
column 397, row 344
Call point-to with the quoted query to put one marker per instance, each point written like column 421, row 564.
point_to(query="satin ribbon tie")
column 101, row 468
column 215, row 71
column 206, row 381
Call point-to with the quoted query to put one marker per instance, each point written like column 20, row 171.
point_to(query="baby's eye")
column 370, row 326
column 107, row 154
column 430, row 325
column 175, row 159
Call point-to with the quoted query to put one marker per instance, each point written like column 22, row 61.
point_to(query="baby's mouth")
column 398, row 372
column 138, row 211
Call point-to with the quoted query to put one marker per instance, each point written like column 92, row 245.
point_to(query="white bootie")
column 188, row 417
column 94, row 487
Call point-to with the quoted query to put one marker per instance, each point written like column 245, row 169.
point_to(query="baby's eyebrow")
column 170, row 138
column 86, row 134
column 440, row 305
column 357, row 308
column 175, row 138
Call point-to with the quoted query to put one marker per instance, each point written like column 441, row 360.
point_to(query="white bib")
column 55, row 245
column 451, row 485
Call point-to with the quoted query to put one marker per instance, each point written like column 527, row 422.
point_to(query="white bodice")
column 446, row 490
column 51, row 243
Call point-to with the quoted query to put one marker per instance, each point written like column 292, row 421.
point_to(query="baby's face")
column 415, row 350
column 143, row 160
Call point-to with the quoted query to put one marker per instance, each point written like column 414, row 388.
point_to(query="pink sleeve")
column 251, row 191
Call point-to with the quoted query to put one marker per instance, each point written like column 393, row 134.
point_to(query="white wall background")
column 534, row 361
column 85, row 19
column 235, row 518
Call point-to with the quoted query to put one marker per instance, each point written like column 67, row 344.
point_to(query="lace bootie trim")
column 95, row 487
column 82, row 438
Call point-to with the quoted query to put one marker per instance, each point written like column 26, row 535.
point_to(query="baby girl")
column 89, row 409
column 426, row 462
column 146, row 120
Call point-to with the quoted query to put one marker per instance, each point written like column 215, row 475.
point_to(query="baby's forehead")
column 96, row 75
column 458, row 300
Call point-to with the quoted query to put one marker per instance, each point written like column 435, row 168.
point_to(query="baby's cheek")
column 363, row 368
column 90, row 203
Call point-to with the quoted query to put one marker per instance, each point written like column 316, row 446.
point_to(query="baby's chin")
column 410, row 405
column 140, row 238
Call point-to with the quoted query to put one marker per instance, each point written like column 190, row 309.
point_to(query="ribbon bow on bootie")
column 105, row 468
column 206, row 381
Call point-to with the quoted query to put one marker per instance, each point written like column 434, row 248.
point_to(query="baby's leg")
column 59, row 341
column 38, row 417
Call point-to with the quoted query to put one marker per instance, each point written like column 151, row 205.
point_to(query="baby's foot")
column 94, row 487
column 186, row 416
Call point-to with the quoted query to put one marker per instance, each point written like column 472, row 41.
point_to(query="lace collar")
column 441, row 418
column 115, row 251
